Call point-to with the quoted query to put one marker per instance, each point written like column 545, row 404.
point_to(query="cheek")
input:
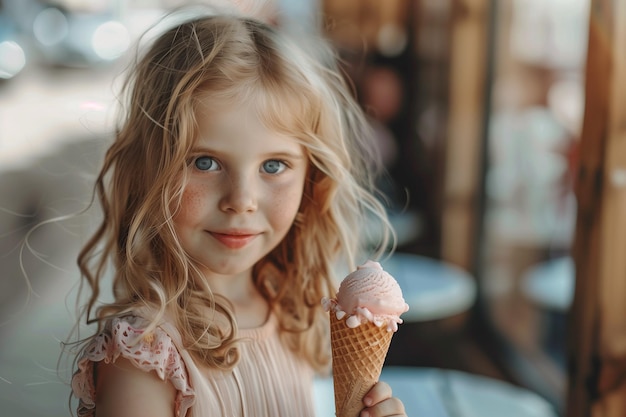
column 285, row 205
column 192, row 204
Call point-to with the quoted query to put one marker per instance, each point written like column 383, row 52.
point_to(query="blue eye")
column 205, row 163
column 274, row 166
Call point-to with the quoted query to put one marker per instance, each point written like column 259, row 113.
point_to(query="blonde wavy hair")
column 231, row 58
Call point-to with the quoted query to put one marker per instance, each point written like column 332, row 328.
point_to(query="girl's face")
column 244, row 190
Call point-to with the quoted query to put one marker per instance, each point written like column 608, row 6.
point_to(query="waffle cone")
column 358, row 357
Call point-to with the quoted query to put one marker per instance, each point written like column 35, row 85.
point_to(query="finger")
column 386, row 408
column 379, row 392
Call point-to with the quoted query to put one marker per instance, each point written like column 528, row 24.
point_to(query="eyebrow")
column 277, row 154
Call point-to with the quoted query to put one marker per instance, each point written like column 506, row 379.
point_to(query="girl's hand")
column 380, row 403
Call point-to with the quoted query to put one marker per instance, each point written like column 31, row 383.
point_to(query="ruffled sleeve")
column 154, row 351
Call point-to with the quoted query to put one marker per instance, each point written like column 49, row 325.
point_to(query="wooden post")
column 597, row 337
column 468, row 66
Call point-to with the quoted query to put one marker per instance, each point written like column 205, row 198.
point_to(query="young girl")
column 235, row 187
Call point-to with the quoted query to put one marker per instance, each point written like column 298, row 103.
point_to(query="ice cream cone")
column 358, row 357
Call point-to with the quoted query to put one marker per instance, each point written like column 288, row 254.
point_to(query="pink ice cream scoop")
column 369, row 294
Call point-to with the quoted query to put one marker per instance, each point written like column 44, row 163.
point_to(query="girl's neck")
column 252, row 311
column 250, row 308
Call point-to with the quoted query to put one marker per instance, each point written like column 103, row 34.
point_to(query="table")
column 433, row 289
column 407, row 226
column 550, row 284
column 432, row 392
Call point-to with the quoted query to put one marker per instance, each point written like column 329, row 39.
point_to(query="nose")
column 239, row 195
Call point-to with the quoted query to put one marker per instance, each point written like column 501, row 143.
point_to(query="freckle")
column 191, row 200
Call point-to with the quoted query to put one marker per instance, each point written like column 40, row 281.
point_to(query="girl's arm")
column 380, row 403
column 123, row 390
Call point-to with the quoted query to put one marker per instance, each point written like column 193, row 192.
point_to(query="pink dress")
column 269, row 379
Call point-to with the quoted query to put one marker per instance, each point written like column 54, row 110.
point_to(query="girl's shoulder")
column 150, row 351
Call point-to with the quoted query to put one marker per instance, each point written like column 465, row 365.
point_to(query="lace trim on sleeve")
column 153, row 351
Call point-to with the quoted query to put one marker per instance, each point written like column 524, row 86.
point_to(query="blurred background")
column 477, row 106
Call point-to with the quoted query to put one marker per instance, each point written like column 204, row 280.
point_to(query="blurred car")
column 76, row 33
column 12, row 54
column 78, row 38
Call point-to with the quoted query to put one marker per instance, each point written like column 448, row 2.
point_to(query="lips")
column 234, row 240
